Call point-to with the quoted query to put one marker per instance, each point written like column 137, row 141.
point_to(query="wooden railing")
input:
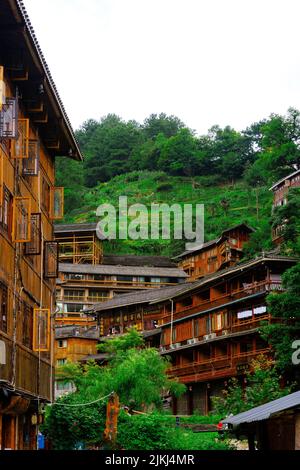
column 115, row 283
column 82, row 298
column 31, row 373
column 79, row 250
column 216, row 363
column 254, row 288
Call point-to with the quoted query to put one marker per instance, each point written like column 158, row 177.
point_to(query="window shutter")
column 31, row 164
column 33, row 247
column 21, row 219
column 2, row 88
column 41, row 329
column 56, row 202
column 51, row 259
column 20, row 147
column 9, row 119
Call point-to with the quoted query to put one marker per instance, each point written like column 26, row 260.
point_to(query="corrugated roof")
column 284, row 178
column 165, row 293
column 121, row 270
column 266, row 411
column 137, row 260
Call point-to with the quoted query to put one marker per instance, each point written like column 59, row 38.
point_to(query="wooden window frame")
column 33, row 247
column 2, row 88
column 27, row 325
column 36, row 346
column 6, row 212
column 47, row 273
column 32, row 163
column 15, row 235
column 45, row 196
column 54, row 214
column 9, row 119
column 22, row 140
column 3, row 307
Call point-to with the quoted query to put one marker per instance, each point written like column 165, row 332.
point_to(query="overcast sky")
column 206, row 61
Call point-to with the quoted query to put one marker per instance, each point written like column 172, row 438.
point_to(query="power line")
column 82, row 404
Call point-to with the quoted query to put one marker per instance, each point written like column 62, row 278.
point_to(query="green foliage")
column 262, row 386
column 137, row 374
column 286, row 307
column 158, row 432
column 288, row 216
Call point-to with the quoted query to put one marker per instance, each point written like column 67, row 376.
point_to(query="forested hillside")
column 162, row 160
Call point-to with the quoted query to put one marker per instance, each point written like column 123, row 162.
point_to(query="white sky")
column 206, row 61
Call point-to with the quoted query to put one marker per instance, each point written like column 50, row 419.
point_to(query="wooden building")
column 73, row 343
column 280, row 190
column 208, row 328
column 272, row 426
column 34, row 128
column 216, row 254
column 83, row 282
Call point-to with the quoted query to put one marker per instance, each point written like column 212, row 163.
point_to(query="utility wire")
column 81, row 404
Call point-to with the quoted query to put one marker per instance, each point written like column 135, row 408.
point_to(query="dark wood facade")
column 28, row 205
column 215, row 254
column 208, row 328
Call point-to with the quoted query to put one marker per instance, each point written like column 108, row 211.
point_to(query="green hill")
column 225, row 205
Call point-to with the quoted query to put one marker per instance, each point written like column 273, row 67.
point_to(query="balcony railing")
column 223, row 299
column 116, row 283
column 82, row 298
column 79, row 250
column 221, row 365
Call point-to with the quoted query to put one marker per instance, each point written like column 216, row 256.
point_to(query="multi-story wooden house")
column 87, row 277
column 280, row 190
column 208, row 328
column 34, row 128
column 216, row 254
column 73, row 343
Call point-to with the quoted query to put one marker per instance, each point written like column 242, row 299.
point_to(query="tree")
column 262, row 386
column 157, row 124
column 178, row 155
column 137, row 374
column 286, row 308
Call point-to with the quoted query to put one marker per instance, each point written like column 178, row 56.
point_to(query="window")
column 61, row 362
column 74, row 294
column 41, row 329
column 73, row 308
column 51, row 259
column 20, row 147
column 3, row 307
column 33, row 247
column 6, row 210
column 98, row 295
column 21, row 219
column 1, row 179
column 174, row 334
column 56, row 203
column 217, row 321
column 124, row 278
column 62, row 343
column 45, row 196
column 31, row 164
column 74, row 276
column 8, row 119
column 27, row 325
column 244, row 314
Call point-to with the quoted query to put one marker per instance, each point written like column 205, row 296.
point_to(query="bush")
column 164, row 187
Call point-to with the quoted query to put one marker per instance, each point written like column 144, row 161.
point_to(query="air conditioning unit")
column 192, row 341
column 175, row 345
column 163, row 349
column 210, row 336
column 225, row 332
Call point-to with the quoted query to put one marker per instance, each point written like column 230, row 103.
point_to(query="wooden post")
column 251, row 444
column 297, row 431
column 112, row 413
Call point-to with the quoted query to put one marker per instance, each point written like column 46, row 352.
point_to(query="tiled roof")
column 137, row 260
column 121, row 270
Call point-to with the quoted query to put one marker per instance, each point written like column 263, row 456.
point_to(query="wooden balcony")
column 82, row 298
column 222, row 300
column 209, row 369
column 111, row 283
column 32, row 374
column 79, row 250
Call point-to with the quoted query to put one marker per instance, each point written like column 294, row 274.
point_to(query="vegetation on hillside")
column 162, row 160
